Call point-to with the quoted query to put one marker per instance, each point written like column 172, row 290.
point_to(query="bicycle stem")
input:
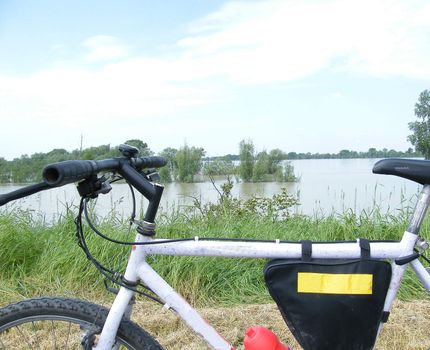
column 152, row 192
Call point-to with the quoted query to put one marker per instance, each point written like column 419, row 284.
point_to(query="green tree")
column 292, row 155
column 246, row 156
column 188, row 161
column 261, row 167
column 219, row 166
column 345, row 153
column 276, row 156
column 421, row 128
column 97, row 152
column 4, row 170
column 88, row 155
column 22, row 170
column 167, row 172
column 372, row 153
column 288, row 173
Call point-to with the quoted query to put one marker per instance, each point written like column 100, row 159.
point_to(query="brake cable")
column 109, row 274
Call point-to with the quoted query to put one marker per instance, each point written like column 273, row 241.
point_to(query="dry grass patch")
column 407, row 329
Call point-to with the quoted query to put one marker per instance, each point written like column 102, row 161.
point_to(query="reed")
column 41, row 259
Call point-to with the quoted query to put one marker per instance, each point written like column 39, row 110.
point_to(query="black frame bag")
column 331, row 304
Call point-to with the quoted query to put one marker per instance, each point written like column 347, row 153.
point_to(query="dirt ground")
column 407, row 329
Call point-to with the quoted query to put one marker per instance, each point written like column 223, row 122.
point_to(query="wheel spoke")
column 23, row 335
column 34, row 330
column 53, row 334
column 68, row 335
column 2, row 344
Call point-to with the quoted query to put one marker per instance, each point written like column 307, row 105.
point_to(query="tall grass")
column 37, row 259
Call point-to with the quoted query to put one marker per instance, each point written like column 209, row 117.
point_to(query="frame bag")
column 331, row 304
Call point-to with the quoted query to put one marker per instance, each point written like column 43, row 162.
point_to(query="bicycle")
column 299, row 264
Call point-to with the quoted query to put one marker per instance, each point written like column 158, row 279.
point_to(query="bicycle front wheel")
column 63, row 323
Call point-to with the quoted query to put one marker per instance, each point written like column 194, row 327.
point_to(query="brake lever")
column 93, row 186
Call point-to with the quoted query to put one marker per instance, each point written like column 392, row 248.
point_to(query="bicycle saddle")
column 411, row 169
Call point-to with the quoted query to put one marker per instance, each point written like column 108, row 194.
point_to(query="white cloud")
column 249, row 42
column 336, row 95
column 104, row 48
column 258, row 42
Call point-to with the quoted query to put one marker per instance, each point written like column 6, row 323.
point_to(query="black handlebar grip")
column 23, row 192
column 69, row 171
column 150, row 162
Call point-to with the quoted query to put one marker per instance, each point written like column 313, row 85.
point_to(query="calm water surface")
column 326, row 186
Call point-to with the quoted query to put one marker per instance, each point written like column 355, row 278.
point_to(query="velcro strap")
column 385, row 315
column 306, row 250
column 365, row 248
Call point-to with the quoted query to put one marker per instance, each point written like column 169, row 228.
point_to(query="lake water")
column 326, row 186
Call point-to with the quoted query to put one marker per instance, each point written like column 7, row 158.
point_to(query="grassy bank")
column 407, row 328
column 40, row 259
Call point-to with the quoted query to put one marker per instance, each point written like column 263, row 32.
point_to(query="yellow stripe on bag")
column 328, row 283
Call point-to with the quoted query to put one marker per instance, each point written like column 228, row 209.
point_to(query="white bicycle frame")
column 139, row 269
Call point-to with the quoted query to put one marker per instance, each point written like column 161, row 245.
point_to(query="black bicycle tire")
column 80, row 311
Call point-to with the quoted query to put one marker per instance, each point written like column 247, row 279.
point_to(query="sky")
column 303, row 76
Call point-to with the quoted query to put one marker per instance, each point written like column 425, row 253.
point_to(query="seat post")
column 420, row 210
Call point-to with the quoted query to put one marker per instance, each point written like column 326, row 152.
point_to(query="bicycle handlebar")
column 63, row 173
column 22, row 192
